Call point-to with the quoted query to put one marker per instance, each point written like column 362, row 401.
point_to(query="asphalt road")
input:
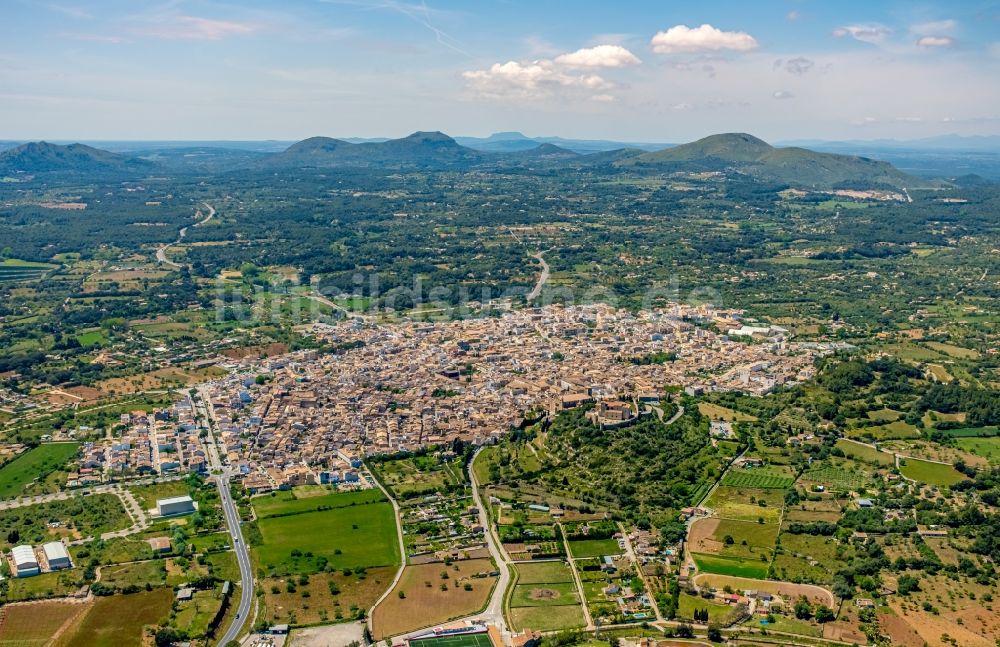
column 242, row 556
column 232, row 516
column 493, row 613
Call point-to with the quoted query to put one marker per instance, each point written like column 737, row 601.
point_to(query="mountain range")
column 738, row 154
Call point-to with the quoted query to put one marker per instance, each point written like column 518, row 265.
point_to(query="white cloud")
column 681, row 39
column 564, row 75
column 935, row 41
column 873, row 33
column 600, row 56
column 195, row 28
column 783, row 94
column 934, row 27
column 528, row 80
column 793, row 15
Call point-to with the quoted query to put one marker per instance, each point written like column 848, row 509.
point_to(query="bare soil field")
column 700, row 536
column 430, row 599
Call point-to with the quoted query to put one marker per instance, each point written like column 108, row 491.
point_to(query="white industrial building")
column 56, row 556
column 25, row 562
column 174, row 505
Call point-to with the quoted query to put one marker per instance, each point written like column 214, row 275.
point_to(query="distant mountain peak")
column 507, row 136
column 428, row 137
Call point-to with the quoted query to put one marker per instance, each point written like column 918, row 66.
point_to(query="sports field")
column 465, row 640
column 33, row 464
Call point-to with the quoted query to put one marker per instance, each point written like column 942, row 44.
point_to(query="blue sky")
column 650, row 71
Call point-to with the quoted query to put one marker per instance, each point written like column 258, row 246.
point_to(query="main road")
column 204, row 408
column 161, row 252
column 493, row 613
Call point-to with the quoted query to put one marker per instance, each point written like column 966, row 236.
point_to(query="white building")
column 175, row 505
column 56, row 556
column 25, row 562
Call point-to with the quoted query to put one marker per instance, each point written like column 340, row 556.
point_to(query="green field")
column 864, row 452
column 738, row 567
column 294, row 502
column 33, row 464
column 468, row 640
column 548, row 618
column 347, row 536
column 594, row 547
column 687, row 604
column 532, row 573
column 970, row 432
column 930, row 473
column 92, row 338
column 988, row 448
column 544, row 595
column 756, row 478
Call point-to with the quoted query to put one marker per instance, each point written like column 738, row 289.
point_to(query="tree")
column 825, row 614
column 803, row 610
column 714, row 633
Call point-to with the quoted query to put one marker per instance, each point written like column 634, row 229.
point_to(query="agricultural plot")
column 428, row 598
column 545, row 596
column 581, row 548
column 827, row 509
column 756, row 478
column 864, row 453
column 409, row 477
column 118, row 620
column 33, row 465
column 808, row 558
column 897, row 430
column 348, row 536
column 747, row 504
column 294, row 501
column 988, row 448
column 717, row 612
column 930, row 473
column 13, row 270
column 733, row 566
column 836, row 479
column 719, row 412
column 33, row 625
column 323, row 597
column 540, row 572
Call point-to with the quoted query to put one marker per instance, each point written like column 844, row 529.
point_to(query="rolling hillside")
column 43, row 157
column 746, row 154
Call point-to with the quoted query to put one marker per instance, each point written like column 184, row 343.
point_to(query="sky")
column 656, row 71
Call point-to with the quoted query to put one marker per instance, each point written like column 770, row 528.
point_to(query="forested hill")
column 421, row 149
column 43, row 157
column 794, row 166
